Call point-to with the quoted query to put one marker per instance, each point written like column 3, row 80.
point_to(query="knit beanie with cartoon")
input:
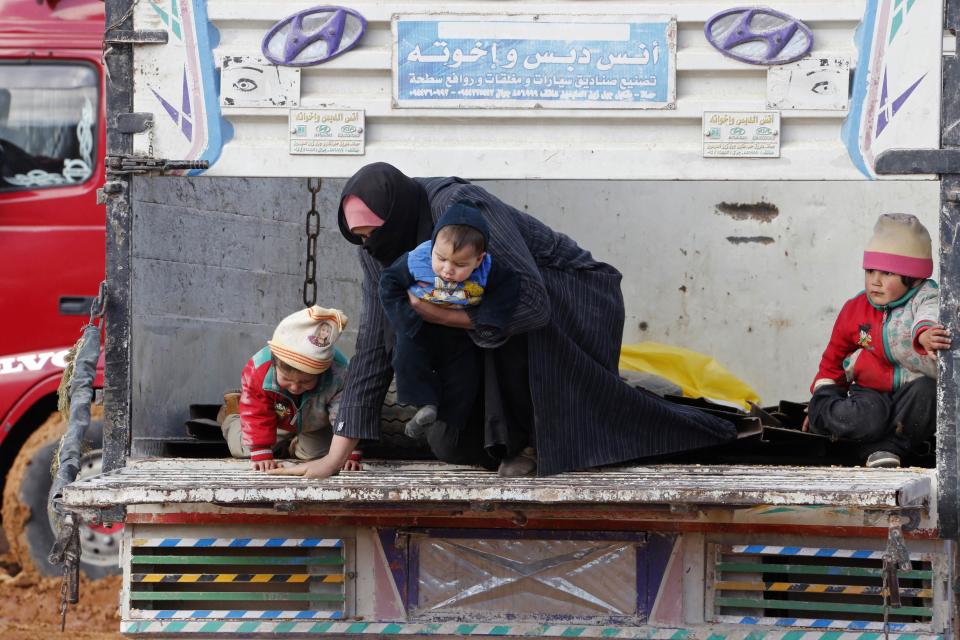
column 304, row 340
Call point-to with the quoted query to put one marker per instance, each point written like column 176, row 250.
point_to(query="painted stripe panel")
column 819, row 606
column 244, row 614
column 809, row 569
column 462, row 629
column 239, row 542
column 239, row 560
column 804, row 587
column 232, row 577
column 251, row 596
column 822, row 552
column 857, row 625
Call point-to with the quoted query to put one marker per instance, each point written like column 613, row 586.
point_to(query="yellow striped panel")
column 795, row 587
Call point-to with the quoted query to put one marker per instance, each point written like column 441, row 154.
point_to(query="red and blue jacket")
column 266, row 408
column 877, row 346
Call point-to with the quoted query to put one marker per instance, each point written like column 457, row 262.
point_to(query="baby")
column 438, row 367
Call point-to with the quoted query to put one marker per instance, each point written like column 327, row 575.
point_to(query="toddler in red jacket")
column 877, row 379
column 291, row 392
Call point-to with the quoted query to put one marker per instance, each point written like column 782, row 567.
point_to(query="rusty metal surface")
column 198, row 481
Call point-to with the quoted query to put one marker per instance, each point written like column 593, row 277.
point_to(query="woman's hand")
column 329, row 465
column 435, row 314
column 352, row 465
column 320, row 468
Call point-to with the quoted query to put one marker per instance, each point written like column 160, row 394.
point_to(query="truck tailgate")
column 180, row 481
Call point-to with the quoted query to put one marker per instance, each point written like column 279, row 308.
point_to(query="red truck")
column 52, row 142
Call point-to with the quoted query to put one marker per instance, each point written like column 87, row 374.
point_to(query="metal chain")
column 313, row 230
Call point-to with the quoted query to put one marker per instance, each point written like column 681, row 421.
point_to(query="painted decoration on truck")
column 758, row 35
column 313, row 36
column 250, row 81
column 179, row 83
column 895, row 101
column 534, row 61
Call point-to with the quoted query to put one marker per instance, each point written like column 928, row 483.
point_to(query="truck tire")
column 26, row 521
column 393, row 443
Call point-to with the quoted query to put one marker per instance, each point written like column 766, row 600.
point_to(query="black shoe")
column 883, row 459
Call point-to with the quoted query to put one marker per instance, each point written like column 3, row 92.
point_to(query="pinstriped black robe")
column 571, row 309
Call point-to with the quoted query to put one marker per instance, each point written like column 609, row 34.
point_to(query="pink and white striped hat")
column 901, row 245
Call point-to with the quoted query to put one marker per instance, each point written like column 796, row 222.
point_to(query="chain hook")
column 99, row 304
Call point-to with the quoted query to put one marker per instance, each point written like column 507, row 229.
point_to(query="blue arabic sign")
column 523, row 61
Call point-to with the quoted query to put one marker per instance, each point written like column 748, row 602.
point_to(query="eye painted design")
column 245, row 84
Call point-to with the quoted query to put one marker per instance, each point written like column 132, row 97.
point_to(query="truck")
column 52, row 143
column 733, row 183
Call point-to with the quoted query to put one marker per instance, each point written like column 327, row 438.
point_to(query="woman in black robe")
column 550, row 375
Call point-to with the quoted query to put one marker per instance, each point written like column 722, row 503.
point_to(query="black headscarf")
column 400, row 201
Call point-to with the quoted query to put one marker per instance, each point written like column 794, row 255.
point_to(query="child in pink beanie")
column 877, row 379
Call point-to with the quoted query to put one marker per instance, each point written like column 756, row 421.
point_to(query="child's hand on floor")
column 352, row 465
column 265, row 465
column 935, row 338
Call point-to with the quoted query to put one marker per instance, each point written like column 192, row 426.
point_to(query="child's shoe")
column 416, row 428
column 883, row 459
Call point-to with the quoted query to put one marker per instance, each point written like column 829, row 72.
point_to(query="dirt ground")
column 30, row 603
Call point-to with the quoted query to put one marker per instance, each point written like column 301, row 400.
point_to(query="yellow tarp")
column 698, row 375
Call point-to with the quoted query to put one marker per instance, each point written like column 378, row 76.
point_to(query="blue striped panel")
column 164, row 614
column 230, row 614
column 204, row 542
column 790, row 551
column 275, row 542
column 270, row 614
column 788, row 622
column 820, row 622
column 755, row 548
column 240, row 542
column 170, row 542
column 826, row 553
column 304, row 614
column 862, row 554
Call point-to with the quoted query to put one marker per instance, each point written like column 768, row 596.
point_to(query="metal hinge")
column 127, row 165
column 123, row 36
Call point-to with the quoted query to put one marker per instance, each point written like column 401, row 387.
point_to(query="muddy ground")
column 30, row 603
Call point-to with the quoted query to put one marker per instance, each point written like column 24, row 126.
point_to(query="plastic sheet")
column 697, row 374
column 567, row 578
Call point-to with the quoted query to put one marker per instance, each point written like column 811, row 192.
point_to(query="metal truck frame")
column 663, row 551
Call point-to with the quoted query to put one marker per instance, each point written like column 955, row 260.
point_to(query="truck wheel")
column 26, row 521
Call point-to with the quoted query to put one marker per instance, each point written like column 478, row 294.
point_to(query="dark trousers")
column 439, row 366
column 900, row 422
column 483, row 400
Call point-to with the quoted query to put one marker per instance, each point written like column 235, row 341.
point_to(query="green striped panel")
column 790, row 605
column 754, row 567
column 235, row 595
column 239, row 560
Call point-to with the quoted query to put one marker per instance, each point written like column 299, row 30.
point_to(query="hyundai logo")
column 313, row 36
column 758, row 35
